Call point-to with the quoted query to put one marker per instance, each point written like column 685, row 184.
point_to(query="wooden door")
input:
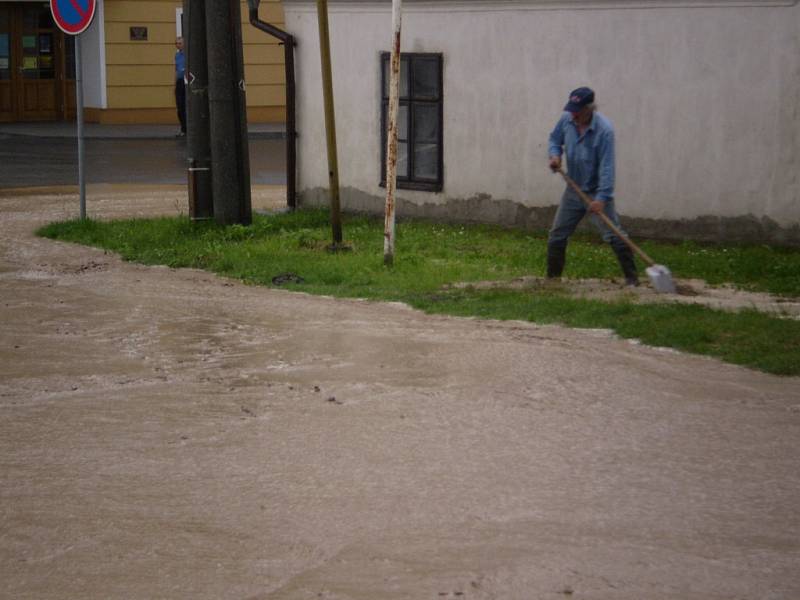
column 37, row 92
column 35, row 58
column 6, row 70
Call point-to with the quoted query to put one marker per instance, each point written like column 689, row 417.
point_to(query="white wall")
column 705, row 97
column 93, row 57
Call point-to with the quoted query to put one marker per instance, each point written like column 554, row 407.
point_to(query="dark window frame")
column 410, row 182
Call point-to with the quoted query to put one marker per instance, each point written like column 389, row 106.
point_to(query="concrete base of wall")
column 166, row 116
column 485, row 209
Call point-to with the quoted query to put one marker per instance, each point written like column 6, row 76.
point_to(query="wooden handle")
column 588, row 201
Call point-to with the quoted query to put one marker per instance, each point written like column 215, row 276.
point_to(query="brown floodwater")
column 169, row 433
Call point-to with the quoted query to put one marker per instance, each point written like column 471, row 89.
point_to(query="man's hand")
column 596, row 206
column 555, row 163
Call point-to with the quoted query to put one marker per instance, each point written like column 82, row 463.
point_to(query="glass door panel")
column 6, row 66
column 39, row 89
column 37, row 43
column 5, row 42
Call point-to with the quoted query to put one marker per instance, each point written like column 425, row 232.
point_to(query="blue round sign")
column 73, row 16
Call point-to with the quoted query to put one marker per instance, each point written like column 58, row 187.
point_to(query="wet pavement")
column 47, row 155
column 171, row 434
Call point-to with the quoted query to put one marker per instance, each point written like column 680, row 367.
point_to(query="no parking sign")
column 73, row 16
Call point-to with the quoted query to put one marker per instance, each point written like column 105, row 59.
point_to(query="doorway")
column 37, row 65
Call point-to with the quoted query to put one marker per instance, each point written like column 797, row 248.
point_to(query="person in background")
column 180, row 85
column 587, row 137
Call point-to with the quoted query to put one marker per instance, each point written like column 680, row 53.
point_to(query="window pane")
column 402, row 159
column 5, row 43
column 403, row 76
column 426, row 123
column 30, row 56
column 402, row 123
column 37, row 16
column 426, row 161
column 30, row 18
column 46, row 19
column 46, row 43
column 426, row 78
column 46, row 63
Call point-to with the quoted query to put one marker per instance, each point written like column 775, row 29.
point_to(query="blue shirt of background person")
column 180, row 63
column 590, row 157
column 180, row 85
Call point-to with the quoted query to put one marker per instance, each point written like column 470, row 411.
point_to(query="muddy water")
column 167, row 433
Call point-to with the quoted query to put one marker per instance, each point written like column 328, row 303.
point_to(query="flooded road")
column 168, row 433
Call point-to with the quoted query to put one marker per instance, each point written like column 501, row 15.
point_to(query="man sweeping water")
column 587, row 137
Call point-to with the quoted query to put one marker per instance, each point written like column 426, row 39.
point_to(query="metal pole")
column 330, row 120
column 391, row 144
column 79, row 117
column 291, row 127
column 289, row 43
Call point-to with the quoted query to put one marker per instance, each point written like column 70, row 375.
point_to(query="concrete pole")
column 330, row 120
column 198, row 133
column 230, row 157
column 391, row 137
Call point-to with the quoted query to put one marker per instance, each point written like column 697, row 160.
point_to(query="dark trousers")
column 569, row 214
column 180, row 102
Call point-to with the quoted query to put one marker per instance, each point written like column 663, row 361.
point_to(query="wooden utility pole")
column 230, row 156
column 330, row 120
column 198, row 133
column 391, row 149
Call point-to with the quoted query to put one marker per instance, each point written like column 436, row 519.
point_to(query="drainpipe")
column 291, row 134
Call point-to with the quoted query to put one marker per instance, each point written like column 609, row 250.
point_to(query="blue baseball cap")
column 579, row 98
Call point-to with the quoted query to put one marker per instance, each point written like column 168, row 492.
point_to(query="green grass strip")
column 432, row 256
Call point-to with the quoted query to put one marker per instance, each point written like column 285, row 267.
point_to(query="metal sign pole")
column 79, row 110
column 73, row 17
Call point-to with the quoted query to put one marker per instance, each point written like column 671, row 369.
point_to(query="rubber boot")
column 556, row 256
column 625, row 257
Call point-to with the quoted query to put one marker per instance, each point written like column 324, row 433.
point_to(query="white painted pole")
column 391, row 137
column 79, row 117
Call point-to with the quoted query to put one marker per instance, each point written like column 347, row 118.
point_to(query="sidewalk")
column 68, row 129
column 45, row 154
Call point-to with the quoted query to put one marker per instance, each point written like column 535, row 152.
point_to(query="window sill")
column 420, row 186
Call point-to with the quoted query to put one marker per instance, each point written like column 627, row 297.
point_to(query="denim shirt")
column 180, row 64
column 590, row 157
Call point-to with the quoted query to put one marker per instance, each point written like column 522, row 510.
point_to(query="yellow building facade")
column 128, row 63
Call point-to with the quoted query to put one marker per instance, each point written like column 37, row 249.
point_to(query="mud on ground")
column 168, row 433
column 688, row 291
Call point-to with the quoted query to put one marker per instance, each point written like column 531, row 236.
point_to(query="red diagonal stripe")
column 78, row 8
